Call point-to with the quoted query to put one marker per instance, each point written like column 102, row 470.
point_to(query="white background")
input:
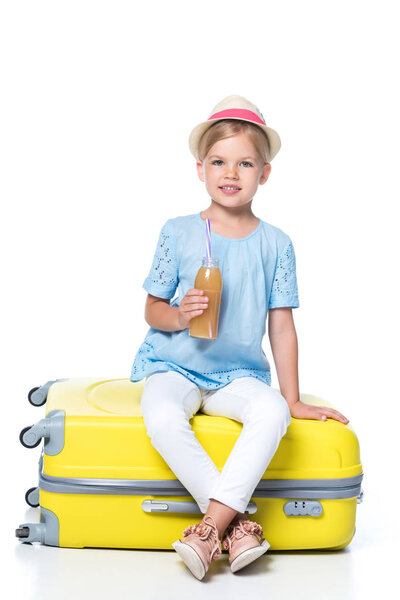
column 97, row 103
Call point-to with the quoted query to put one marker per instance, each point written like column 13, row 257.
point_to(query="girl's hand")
column 300, row 410
column 193, row 303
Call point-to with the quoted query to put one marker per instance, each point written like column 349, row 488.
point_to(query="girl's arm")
column 160, row 315
column 283, row 340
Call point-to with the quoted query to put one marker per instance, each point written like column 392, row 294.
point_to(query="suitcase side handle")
column 181, row 506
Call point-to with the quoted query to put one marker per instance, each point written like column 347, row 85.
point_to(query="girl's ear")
column 199, row 166
column 265, row 173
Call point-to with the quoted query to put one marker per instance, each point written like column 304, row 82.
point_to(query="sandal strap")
column 238, row 530
column 206, row 531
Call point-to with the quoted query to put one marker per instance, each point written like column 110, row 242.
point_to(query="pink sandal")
column 199, row 546
column 245, row 543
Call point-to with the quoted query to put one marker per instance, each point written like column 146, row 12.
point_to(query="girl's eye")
column 244, row 162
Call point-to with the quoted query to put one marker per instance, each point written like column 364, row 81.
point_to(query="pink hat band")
column 238, row 113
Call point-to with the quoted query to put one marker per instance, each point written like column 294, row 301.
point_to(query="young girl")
column 229, row 376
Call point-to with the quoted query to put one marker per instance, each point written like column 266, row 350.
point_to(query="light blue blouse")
column 258, row 273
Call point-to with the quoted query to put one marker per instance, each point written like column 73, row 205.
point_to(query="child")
column 229, row 376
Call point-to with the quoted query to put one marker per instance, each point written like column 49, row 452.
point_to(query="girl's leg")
column 169, row 401
column 265, row 415
column 222, row 515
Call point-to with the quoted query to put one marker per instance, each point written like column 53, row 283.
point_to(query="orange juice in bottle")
column 209, row 279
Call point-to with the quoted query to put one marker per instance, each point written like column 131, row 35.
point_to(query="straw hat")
column 235, row 107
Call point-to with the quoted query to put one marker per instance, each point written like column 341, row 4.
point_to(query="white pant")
column 170, row 400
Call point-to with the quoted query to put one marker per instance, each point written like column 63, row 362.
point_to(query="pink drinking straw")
column 208, row 248
column 208, row 238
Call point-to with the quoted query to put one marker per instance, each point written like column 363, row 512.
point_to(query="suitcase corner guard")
column 37, row 396
column 46, row 532
column 51, row 428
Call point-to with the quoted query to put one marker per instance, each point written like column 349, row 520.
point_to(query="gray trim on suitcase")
column 39, row 396
column 347, row 487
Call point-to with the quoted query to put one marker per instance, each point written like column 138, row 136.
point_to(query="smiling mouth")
column 229, row 187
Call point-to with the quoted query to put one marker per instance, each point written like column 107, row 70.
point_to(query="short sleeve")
column 162, row 279
column 284, row 288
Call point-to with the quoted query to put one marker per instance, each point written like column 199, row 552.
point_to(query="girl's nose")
column 230, row 171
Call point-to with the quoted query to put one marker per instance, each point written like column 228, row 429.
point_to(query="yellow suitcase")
column 102, row 484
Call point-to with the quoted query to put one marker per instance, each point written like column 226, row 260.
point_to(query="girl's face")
column 233, row 162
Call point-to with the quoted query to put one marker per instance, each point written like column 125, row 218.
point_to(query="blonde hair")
column 229, row 127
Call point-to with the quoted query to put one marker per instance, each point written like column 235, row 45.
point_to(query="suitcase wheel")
column 31, row 400
column 21, row 438
column 32, row 497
